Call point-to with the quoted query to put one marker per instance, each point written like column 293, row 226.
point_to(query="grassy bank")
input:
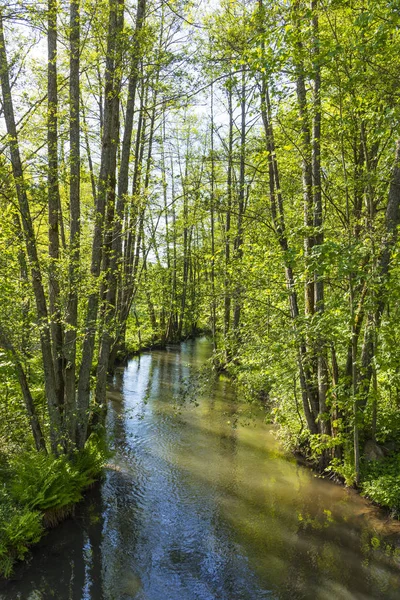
column 379, row 479
column 37, row 491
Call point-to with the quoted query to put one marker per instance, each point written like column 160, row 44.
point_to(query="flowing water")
column 199, row 503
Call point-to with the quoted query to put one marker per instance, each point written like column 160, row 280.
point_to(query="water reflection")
column 197, row 506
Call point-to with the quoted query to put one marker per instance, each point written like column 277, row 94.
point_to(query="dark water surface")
column 199, row 504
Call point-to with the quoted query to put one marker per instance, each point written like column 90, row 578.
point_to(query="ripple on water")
column 196, row 506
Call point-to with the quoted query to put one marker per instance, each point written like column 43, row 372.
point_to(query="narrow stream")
column 199, row 503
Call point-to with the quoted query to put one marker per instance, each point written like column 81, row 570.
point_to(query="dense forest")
column 176, row 168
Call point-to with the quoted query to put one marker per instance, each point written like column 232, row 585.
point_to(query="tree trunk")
column 212, row 211
column 111, row 90
column 319, row 307
column 278, row 217
column 392, row 220
column 26, row 393
column 75, row 223
column 54, row 202
column 227, row 294
column 238, row 244
column 31, row 249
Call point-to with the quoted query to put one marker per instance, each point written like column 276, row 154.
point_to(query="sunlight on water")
column 198, row 503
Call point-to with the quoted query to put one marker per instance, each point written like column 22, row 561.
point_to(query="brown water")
column 200, row 504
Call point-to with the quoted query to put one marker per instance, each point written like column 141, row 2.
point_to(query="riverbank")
column 38, row 492
column 379, row 480
column 44, row 490
column 380, row 470
column 202, row 503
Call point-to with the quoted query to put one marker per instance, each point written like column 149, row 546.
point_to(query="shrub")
column 381, row 482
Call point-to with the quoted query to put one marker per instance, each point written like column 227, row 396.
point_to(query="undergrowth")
column 381, row 482
column 38, row 490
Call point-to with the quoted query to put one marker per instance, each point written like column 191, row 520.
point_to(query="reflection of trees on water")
column 66, row 565
column 196, row 507
column 121, row 490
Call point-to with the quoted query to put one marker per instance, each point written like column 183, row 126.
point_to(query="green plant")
column 40, row 489
column 19, row 528
column 381, row 482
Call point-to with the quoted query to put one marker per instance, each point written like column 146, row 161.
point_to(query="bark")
column 227, row 299
column 133, row 216
column 185, row 273
column 26, row 393
column 238, row 244
column 305, row 143
column 278, row 217
column 111, row 89
column 319, row 307
column 31, row 249
column 88, row 153
column 111, row 255
column 75, row 223
column 25, row 308
column 112, row 326
column 54, row 202
column 392, row 220
column 309, row 159
column 130, row 106
column 356, row 412
column 123, row 182
column 212, row 211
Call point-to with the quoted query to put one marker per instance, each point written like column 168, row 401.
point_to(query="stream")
column 199, row 503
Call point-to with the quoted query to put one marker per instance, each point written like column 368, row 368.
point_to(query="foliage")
column 238, row 175
column 19, row 528
column 40, row 489
column 381, row 482
column 45, row 482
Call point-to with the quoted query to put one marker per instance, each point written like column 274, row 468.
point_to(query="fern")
column 38, row 485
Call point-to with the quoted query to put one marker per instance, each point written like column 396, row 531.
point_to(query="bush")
column 381, row 482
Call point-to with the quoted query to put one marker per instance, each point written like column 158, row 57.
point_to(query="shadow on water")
column 195, row 505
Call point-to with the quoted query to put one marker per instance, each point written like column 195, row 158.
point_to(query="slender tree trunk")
column 185, row 273
column 54, row 202
column 88, row 153
column 227, row 299
column 111, row 256
column 26, row 393
column 356, row 411
column 307, row 175
column 212, row 211
column 31, row 249
column 238, row 245
column 130, row 106
column 278, row 217
column 111, row 90
column 310, row 158
column 134, row 216
column 392, row 220
column 319, row 306
column 75, row 222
